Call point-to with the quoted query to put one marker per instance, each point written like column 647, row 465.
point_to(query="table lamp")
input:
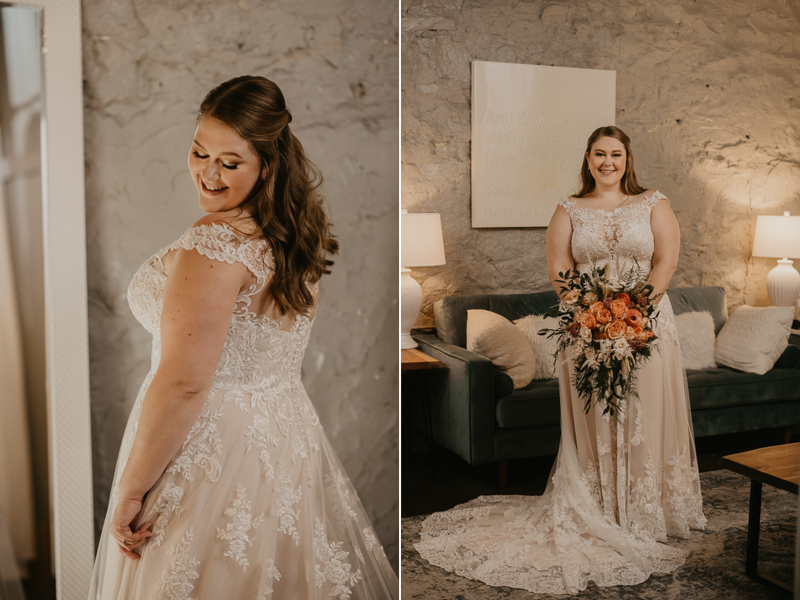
column 421, row 245
column 779, row 237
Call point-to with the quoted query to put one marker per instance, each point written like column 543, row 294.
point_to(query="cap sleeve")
column 568, row 204
column 218, row 241
column 654, row 199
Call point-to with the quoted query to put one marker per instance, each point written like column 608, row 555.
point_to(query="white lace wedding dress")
column 618, row 487
column 255, row 505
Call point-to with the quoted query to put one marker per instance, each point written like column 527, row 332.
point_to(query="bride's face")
column 224, row 166
column 607, row 160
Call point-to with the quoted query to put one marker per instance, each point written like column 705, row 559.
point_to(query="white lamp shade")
column 421, row 240
column 777, row 237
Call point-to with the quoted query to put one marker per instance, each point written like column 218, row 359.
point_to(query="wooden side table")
column 416, row 360
column 778, row 466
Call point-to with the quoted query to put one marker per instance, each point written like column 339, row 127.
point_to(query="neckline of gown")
column 612, row 211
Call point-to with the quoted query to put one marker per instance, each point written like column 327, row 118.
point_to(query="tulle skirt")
column 255, row 506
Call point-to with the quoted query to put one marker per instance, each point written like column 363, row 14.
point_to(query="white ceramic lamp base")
column 410, row 303
column 783, row 284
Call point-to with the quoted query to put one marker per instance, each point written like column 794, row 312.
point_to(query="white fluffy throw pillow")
column 753, row 338
column 543, row 348
column 495, row 338
column 696, row 337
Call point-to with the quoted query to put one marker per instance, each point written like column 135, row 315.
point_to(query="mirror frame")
column 65, row 302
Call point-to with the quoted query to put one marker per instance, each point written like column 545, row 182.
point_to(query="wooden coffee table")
column 777, row 466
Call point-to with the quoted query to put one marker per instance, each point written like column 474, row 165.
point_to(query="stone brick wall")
column 147, row 66
column 708, row 92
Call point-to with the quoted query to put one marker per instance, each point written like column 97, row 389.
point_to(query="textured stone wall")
column 147, row 66
column 708, row 92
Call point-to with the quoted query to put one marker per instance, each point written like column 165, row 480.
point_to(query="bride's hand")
column 124, row 515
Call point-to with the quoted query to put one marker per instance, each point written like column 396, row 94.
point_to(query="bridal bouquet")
column 608, row 323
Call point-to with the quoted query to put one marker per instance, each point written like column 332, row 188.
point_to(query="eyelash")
column 203, row 157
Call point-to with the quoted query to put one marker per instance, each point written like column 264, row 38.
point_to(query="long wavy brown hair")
column 286, row 206
column 628, row 184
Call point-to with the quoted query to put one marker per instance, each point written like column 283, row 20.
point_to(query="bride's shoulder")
column 228, row 224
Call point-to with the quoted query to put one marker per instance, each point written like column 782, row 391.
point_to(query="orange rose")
column 616, row 329
column 594, row 307
column 634, row 318
column 623, row 296
column 588, row 320
column 603, row 315
column 618, row 308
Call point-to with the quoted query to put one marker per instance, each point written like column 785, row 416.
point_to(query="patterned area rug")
column 713, row 570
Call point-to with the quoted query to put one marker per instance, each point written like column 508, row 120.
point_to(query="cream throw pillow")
column 495, row 338
column 543, row 348
column 696, row 337
column 753, row 338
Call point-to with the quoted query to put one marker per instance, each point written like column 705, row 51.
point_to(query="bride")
column 619, row 486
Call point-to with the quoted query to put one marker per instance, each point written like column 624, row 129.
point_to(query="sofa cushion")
column 544, row 348
column 535, row 404
column 706, row 298
column 451, row 312
column 696, row 337
column 721, row 387
column 495, row 337
column 754, row 338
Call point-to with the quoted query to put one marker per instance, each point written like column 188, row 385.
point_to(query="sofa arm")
column 790, row 359
column 463, row 413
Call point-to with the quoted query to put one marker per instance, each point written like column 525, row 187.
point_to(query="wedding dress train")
column 619, row 486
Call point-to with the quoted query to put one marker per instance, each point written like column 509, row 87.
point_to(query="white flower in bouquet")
column 586, row 334
column 591, row 359
column 621, row 348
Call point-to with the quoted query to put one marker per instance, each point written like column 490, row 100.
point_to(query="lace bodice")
column 257, row 353
column 620, row 238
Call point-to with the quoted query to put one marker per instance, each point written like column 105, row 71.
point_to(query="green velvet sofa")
column 477, row 414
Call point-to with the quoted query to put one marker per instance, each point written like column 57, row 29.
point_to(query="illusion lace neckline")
column 645, row 198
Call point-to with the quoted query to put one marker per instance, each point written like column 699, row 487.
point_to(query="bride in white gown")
column 619, row 487
column 226, row 486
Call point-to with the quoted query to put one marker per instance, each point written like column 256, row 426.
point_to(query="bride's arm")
column 667, row 245
column 198, row 301
column 559, row 246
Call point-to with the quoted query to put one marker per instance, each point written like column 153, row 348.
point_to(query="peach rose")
column 648, row 334
column 624, row 297
column 616, row 329
column 571, row 296
column 603, row 316
column 630, row 333
column 594, row 307
column 588, row 320
column 634, row 318
column 618, row 308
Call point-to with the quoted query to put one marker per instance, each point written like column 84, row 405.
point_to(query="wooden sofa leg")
column 787, row 435
column 502, row 473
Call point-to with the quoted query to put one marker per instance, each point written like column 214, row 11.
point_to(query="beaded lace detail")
column 619, row 486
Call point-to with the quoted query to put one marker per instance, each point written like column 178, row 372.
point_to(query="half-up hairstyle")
column 286, row 205
column 628, row 184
